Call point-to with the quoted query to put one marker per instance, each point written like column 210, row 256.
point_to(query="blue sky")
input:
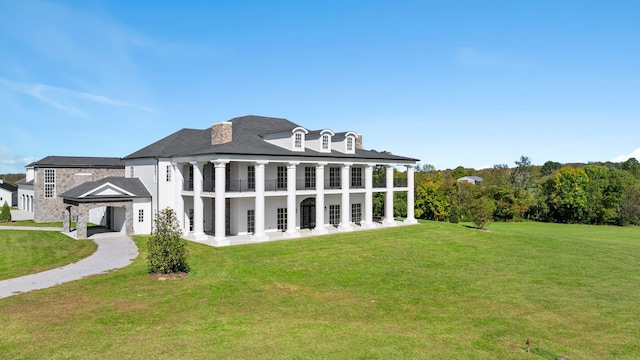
column 471, row 83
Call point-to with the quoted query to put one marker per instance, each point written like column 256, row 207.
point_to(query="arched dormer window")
column 350, row 143
column 298, row 138
column 324, row 142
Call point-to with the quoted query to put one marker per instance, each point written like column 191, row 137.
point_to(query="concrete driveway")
column 115, row 251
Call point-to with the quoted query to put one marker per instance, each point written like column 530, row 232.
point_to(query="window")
column 141, row 215
column 298, row 140
column 49, row 183
column 251, row 177
column 131, row 172
column 281, row 182
column 190, row 178
column 334, row 178
column 350, row 143
column 251, row 221
column 190, row 219
column 168, row 173
column 282, row 219
column 325, row 142
column 356, row 177
column 334, row 214
column 356, row 213
column 309, row 177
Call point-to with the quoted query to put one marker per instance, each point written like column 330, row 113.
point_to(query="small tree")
column 5, row 214
column 167, row 251
column 480, row 211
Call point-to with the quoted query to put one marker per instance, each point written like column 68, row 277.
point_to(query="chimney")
column 221, row 133
column 359, row 142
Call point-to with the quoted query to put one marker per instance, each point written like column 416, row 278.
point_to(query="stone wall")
column 221, row 133
column 83, row 215
column 51, row 209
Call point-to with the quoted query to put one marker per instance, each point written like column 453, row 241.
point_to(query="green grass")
column 31, row 223
column 434, row 291
column 28, row 252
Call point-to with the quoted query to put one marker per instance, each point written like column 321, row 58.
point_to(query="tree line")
column 602, row 193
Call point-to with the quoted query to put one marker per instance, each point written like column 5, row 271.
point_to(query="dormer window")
column 298, row 141
column 325, row 142
column 349, row 144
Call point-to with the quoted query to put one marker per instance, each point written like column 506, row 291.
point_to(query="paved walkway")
column 115, row 251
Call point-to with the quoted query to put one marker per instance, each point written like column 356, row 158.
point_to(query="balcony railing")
column 397, row 182
column 281, row 185
column 275, row 185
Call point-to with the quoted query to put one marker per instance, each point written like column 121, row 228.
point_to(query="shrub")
column 5, row 214
column 480, row 211
column 167, row 251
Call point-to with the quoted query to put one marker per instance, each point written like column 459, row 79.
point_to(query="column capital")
column 260, row 163
column 322, row 164
column 347, row 164
column 388, row 166
column 219, row 163
column 370, row 166
column 293, row 163
column 197, row 163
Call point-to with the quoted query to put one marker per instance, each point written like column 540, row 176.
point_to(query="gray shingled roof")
column 24, row 181
column 132, row 185
column 8, row 187
column 78, row 162
column 247, row 140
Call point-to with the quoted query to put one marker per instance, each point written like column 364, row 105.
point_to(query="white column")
column 291, row 232
column 367, row 223
column 259, row 234
column 410, row 197
column 320, row 229
column 198, row 206
column 220, row 237
column 345, row 207
column 179, row 200
column 388, row 200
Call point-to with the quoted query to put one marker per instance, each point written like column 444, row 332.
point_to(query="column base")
column 410, row 221
column 291, row 234
column 199, row 236
column 389, row 222
column 319, row 230
column 259, row 237
column 345, row 228
column 366, row 225
column 221, row 241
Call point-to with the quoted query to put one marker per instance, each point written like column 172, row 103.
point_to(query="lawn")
column 28, row 252
column 435, row 291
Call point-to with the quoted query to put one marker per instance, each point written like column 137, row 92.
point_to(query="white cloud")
column 634, row 154
column 65, row 99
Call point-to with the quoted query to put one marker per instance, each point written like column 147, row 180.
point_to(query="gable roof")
column 78, row 162
column 247, row 139
column 123, row 188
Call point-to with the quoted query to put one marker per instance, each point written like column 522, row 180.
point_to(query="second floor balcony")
column 281, row 185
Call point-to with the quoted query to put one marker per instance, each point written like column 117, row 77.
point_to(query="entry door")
column 308, row 214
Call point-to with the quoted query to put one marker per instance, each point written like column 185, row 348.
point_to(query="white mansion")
column 248, row 176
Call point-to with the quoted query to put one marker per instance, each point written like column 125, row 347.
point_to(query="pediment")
column 106, row 190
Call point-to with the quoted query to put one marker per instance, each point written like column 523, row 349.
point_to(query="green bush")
column 167, row 252
column 5, row 214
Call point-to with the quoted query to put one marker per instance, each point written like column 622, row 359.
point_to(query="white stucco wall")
column 143, row 227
